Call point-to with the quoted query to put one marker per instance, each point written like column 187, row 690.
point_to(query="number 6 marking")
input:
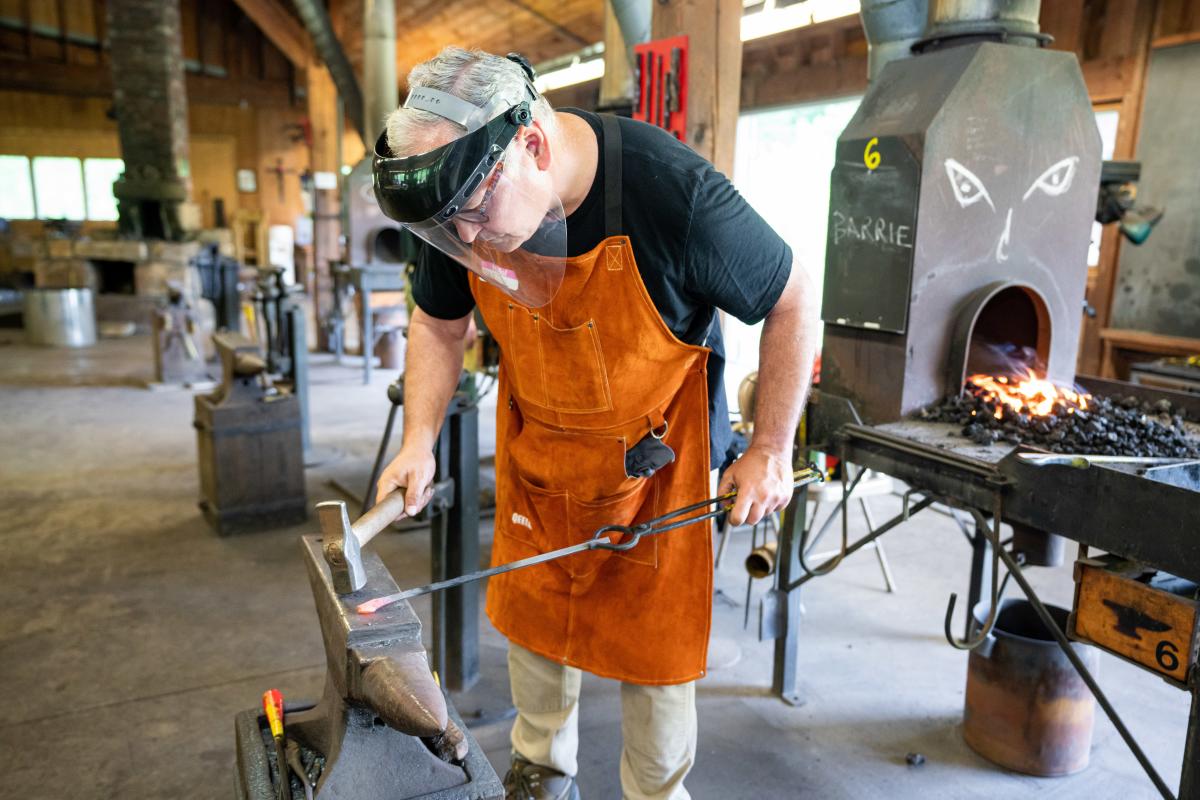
column 1165, row 655
column 871, row 157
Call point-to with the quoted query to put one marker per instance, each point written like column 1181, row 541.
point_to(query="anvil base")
column 364, row 758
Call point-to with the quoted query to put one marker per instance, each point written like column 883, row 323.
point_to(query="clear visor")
column 511, row 233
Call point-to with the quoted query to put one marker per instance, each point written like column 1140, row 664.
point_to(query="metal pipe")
column 972, row 17
column 316, row 21
column 892, row 27
column 761, row 561
column 380, row 89
column 633, row 18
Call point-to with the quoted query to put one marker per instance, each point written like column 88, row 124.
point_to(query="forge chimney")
column 151, row 105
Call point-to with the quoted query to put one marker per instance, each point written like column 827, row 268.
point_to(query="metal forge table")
column 1038, row 497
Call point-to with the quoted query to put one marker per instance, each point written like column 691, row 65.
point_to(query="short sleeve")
column 734, row 259
column 440, row 286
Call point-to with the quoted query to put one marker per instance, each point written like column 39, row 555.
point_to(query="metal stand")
column 1189, row 781
column 985, row 543
column 366, row 279
column 786, row 599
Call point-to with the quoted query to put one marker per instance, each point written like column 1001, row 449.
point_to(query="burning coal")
column 1009, row 400
column 1025, row 409
column 1026, row 394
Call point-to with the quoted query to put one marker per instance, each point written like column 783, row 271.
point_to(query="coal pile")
column 1112, row 426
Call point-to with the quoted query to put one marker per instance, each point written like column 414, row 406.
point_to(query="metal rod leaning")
column 863, row 542
column 1015, row 570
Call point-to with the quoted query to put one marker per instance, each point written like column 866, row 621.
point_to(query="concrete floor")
column 130, row 634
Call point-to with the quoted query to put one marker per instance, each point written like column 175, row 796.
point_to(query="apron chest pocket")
column 561, row 369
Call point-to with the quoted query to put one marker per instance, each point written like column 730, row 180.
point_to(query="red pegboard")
column 662, row 84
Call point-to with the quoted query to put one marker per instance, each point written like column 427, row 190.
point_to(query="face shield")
column 489, row 211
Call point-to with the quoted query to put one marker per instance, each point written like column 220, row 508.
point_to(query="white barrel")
column 60, row 317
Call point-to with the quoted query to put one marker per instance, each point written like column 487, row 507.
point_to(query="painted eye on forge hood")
column 1055, row 180
column 968, row 189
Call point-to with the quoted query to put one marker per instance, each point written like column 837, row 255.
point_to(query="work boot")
column 528, row 781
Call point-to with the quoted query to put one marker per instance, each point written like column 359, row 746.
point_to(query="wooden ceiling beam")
column 554, row 25
column 284, row 30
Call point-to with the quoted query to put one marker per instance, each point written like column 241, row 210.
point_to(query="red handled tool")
column 272, row 702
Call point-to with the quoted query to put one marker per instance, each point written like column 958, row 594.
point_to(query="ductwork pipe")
column 892, row 28
column 633, row 17
column 380, row 95
column 954, row 18
column 316, row 22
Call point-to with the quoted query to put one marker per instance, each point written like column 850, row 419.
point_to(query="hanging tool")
column 272, row 702
column 297, row 764
column 629, row 536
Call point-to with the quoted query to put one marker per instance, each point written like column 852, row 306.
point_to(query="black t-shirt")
column 699, row 246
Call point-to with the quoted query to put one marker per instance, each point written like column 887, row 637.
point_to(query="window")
column 58, row 186
column 98, row 177
column 782, row 163
column 1106, row 121
column 16, row 200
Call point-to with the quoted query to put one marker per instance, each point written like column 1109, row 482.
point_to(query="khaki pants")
column 658, row 726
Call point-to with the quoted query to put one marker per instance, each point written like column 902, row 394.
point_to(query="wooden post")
column 616, row 85
column 714, row 73
column 322, row 116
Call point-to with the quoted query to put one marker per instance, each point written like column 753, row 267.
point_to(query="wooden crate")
column 1117, row 610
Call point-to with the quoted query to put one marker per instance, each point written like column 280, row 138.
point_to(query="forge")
column 961, row 202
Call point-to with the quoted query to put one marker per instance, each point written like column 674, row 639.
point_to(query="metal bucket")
column 1027, row 709
column 60, row 317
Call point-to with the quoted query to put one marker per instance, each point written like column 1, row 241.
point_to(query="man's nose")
column 467, row 231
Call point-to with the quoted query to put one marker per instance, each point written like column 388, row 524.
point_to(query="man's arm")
column 432, row 366
column 763, row 476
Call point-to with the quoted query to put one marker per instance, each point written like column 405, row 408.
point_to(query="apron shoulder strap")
column 612, row 174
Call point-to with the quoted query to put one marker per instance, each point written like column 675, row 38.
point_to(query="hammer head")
column 342, row 552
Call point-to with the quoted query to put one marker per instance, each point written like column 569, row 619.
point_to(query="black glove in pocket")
column 647, row 457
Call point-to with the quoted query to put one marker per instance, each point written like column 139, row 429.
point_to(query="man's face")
column 510, row 204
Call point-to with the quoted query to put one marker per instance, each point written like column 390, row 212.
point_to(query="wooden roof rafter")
column 281, row 28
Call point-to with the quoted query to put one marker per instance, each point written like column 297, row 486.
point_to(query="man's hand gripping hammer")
column 344, row 541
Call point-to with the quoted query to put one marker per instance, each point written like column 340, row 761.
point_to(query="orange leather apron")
column 582, row 379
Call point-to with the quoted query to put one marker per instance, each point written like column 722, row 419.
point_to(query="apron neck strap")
column 612, row 175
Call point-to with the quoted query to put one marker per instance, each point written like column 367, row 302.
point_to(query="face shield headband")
column 519, row 243
column 426, row 190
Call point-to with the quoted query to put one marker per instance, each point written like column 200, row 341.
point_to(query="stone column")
column 151, row 105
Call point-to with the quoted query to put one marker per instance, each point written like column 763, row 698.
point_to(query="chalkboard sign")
column 871, row 233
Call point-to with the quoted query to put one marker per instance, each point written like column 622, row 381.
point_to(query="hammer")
column 344, row 542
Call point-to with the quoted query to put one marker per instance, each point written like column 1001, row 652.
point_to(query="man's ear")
column 537, row 144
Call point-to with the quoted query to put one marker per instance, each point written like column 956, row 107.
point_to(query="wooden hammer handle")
column 388, row 510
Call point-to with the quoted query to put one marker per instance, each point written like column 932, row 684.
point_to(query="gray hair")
column 474, row 76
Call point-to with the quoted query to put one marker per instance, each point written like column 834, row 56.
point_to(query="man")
column 597, row 251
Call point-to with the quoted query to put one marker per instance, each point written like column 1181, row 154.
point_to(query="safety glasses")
column 478, row 214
